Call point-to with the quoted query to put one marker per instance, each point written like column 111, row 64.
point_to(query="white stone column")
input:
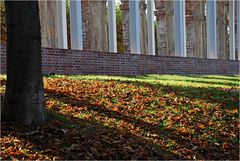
column 134, row 27
column 62, row 23
column 76, row 24
column 231, row 30
column 211, row 30
column 112, row 27
column 151, row 31
column 238, row 28
column 180, row 28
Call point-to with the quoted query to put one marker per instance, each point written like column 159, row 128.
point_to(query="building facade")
column 201, row 29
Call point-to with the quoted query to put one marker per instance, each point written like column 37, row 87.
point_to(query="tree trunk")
column 24, row 90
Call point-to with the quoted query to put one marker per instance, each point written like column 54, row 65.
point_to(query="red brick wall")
column 62, row 61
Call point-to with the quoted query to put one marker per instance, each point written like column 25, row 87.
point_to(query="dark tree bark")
column 24, row 89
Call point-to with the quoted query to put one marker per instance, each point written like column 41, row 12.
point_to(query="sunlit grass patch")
column 207, row 81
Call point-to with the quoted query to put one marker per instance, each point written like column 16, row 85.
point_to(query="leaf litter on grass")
column 114, row 119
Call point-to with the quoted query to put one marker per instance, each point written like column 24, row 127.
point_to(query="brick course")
column 63, row 61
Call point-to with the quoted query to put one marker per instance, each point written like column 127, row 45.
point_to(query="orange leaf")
column 115, row 109
column 87, row 117
column 226, row 146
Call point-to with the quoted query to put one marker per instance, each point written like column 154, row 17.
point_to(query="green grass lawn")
column 205, row 81
column 139, row 117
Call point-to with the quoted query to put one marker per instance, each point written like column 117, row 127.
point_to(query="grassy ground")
column 142, row 117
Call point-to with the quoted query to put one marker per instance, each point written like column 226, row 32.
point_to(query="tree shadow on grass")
column 183, row 142
column 71, row 138
column 68, row 99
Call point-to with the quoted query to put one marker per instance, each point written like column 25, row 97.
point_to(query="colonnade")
column 175, row 34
